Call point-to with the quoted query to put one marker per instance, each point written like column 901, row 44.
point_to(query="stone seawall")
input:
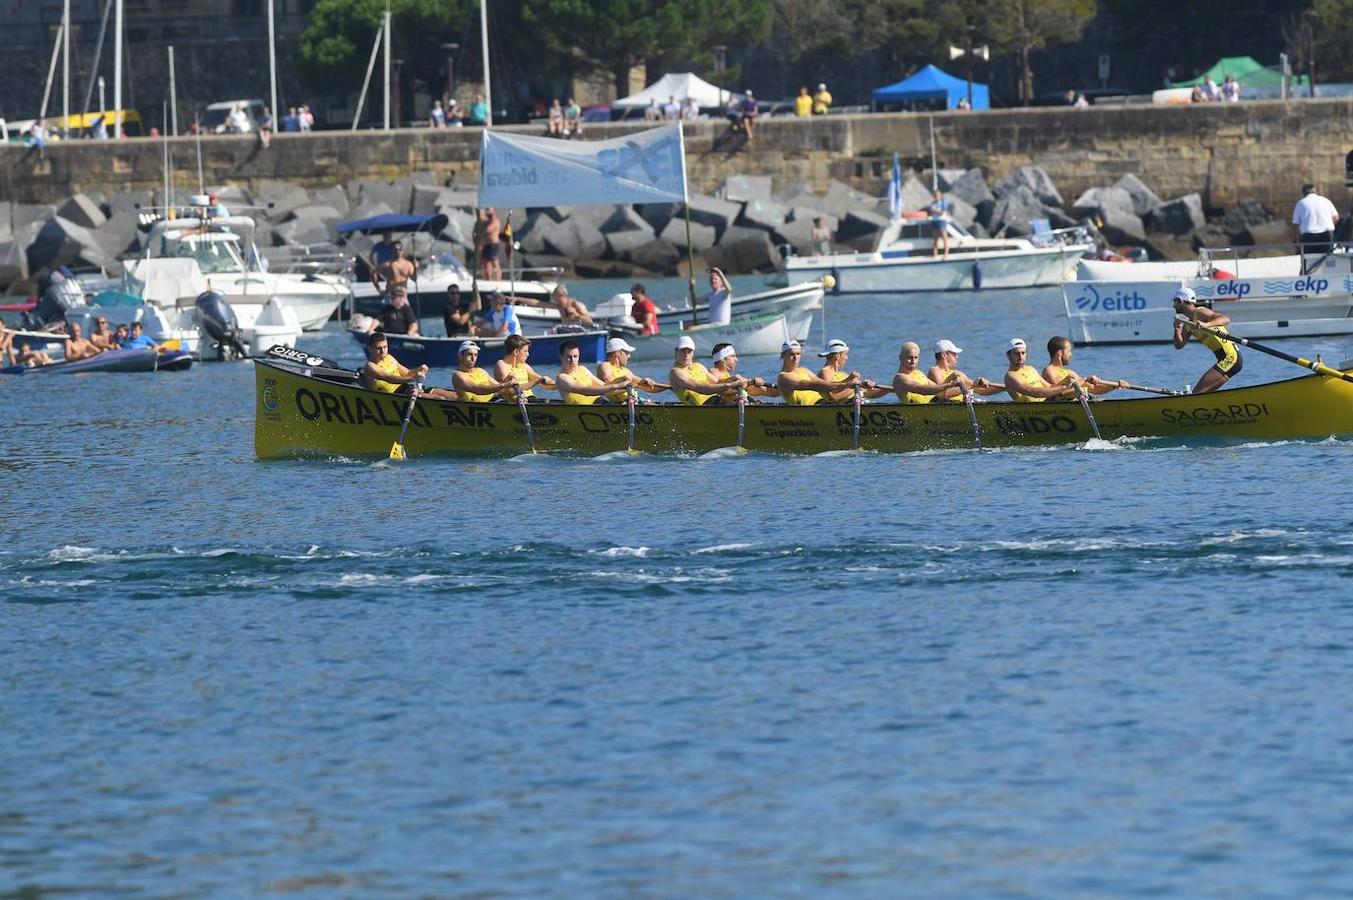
column 1225, row 152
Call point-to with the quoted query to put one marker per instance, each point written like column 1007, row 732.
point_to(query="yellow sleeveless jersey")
column 696, row 372
column 916, row 377
column 620, row 396
column 478, row 377
column 522, row 372
column 387, row 366
column 583, row 376
column 1028, row 375
column 802, row 397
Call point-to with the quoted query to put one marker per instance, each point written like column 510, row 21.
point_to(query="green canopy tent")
column 1245, row 69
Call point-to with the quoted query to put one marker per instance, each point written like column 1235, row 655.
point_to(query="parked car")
column 216, row 118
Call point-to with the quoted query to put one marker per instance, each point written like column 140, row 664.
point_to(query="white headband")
column 725, row 353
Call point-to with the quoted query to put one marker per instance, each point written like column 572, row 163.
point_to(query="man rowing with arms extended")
column 834, row 371
column 914, row 386
column 945, row 371
column 693, row 384
column 577, row 384
column 516, row 349
column 616, row 367
column 383, row 372
column 1025, row 385
column 1058, row 370
column 725, row 368
column 799, row 386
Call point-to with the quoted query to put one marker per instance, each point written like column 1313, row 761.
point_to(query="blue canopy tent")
column 930, row 85
column 394, row 222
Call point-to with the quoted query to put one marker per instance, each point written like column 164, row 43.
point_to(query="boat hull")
column 880, row 273
column 300, row 416
column 435, row 353
column 141, row 360
column 751, row 336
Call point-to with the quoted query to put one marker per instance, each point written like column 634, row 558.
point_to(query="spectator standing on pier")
column 671, row 110
column 822, row 100
column 437, row 117
column 691, row 111
column 653, row 112
column 749, row 113
column 1230, row 89
column 479, row 111
column 1314, row 218
column 803, row 103
column 556, row 122
column 573, row 119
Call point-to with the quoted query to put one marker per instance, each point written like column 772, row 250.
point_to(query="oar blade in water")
column 724, row 453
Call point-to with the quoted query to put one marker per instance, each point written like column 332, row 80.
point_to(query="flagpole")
column 686, row 207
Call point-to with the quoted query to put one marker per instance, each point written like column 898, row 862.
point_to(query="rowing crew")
column 695, row 384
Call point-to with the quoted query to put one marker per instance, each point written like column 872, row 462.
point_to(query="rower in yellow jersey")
column 1023, row 382
column 472, row 384
column 914, row 386
column 725, row 366
column 516, row 350
column 576, row 383
column 945, row 371
column 1058, row 370
column 834, row 370
column 798, row 385
column 692, row 382
column 383, row 372
column 616, row 365
column 1228, row 355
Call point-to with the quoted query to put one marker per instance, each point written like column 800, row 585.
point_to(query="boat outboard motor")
column 217, row 319
column 63, row 292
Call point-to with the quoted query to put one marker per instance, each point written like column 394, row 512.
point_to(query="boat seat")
column 1042, row 235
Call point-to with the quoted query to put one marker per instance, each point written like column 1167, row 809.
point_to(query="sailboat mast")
column 484, row 40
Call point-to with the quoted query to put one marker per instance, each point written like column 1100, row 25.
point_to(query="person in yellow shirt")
column 803, row 103
column 1058, row 370
column 577, row 385
column 834, row 371
column 798, row 385
column 1023, row 382
column 822, row 100
column 516, row 350
column 1228, row 355
column 616, row 366
column 914, row 386
column 693, row 384
column 945, row 371
column 383, row 372
column 473, row 384
column 725, row 366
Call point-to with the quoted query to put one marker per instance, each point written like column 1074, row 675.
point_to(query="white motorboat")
column 223, row 254
column 757, row 335
column 901, row 261
column 427, row 294
column 1265, row 297
column 797, row 302
column 262, row 325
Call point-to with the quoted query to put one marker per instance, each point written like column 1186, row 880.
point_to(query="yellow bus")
column 78, row 125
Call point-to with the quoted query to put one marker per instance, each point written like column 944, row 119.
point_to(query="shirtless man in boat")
column 945, row 371
column 577, row 384
column 27, row 356
column 6, row 343
column 77, row 347
column 693, row 384
column 798, row 385
column 1058, row 370
column 1025, row 385
column 397, row 272
column 834, row 371
column 101, row 336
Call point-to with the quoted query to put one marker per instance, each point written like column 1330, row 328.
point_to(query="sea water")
column 1101, row 669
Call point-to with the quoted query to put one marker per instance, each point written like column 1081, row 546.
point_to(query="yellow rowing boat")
column 311, row 411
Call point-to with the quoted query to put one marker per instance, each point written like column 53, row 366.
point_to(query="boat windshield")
column 214, row 256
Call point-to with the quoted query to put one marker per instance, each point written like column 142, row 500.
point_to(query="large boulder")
column 717, row 214
column 13, row 260
column 60, row 242
column 300, row 232
column 22, row 215
column 1182, row 215
column 131, row 202
column 915, row 195
column 369, row 211
column 117, row 235
column 657, row 215
column 763, row 214
column 860, row 229
column 796, row 192
column 624, row 244
column 1035, row 180
column 797, row 234
column 746, row 188
column 279, row 198
column 1262, row 233
column 971, row 188
column 702, row 236
column 333, row 196
column 809, row 214
column 577, row 239
column 841, row 199
column 1016, row 209
column 962, row 212
column 1144, row 200
column 425, row 198
column 1245, row 215
column 83, row 211
column 657, row 256
column 459, row 228
column 743, row 250
column 1112, row 208
column 458, row 197
column 625, row 218
column 397, row 196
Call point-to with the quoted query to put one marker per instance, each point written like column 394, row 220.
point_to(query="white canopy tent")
column 681, row 85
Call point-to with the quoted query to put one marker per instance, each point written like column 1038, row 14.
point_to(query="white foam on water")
column 364, row 578
column 723, row 548
column 71, row 553
column 622, row 551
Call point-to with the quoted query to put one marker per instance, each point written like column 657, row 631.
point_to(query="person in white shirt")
column 1210, row 89
column 672, row 110
column 1230, row 89
column 1313, row 219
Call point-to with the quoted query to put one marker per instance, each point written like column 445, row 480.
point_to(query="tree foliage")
column 336, row 43
column 1022, row 26
column 1334, row 39
column 615, row 35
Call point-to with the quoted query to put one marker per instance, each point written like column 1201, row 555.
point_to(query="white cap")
column 685, row 342
column 724, row 353
column 1186, row 295
column 466, row 346
column 835, row 345
column 944, row 345
column 822, row 85
column 1016, row 344
column 790, row 345
column 617, row 343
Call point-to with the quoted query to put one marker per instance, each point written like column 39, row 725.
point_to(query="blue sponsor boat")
column 435, row 353
column 138, row 360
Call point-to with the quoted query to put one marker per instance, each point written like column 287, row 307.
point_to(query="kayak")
column 312, row 411
column 139, row 360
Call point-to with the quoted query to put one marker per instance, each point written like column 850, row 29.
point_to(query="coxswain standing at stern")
column 1228, row 354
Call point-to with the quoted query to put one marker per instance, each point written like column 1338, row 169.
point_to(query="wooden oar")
column 742, row 417
column 1316, row 367
column 397, row 450
column 630, row 395
column 972, row 414
column 1084, row 397
column 1165, row 392
column 855, row 430
column 525, row 418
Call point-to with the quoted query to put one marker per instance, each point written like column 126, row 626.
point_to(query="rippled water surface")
column 1078, row 671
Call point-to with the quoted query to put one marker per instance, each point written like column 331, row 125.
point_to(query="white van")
column 216, row 118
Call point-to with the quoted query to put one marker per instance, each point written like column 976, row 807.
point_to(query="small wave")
column 623, row 551
column 364, row 578
column 723, row 548
column 71, row 553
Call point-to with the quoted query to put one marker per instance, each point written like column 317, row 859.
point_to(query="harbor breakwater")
column 1166, row 178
